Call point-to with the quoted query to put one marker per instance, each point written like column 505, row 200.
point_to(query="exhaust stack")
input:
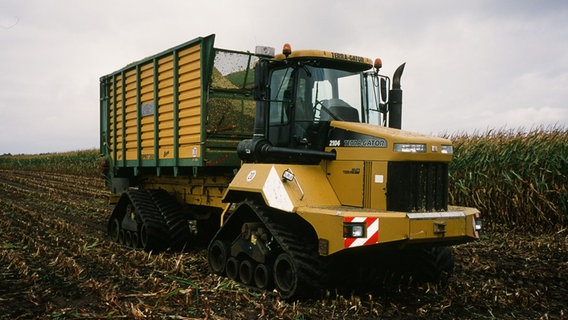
column 395, row 100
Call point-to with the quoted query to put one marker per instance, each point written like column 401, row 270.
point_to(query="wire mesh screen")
column 230, row 105
column 233, row 70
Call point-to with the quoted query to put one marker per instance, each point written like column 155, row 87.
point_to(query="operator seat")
column 340, row 109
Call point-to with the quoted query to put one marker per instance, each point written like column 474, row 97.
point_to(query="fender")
column 306, row 186
column 310, row 195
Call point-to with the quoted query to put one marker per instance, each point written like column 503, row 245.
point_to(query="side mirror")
column 383, row 101
column 261, row 80
column 383, row 89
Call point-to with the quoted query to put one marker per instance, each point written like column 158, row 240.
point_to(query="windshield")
column 321, row 94
column 304, row 99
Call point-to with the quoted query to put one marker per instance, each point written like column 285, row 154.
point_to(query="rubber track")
column 174, row 218
column 150, row 216
column 297, row 244
column 429, row 264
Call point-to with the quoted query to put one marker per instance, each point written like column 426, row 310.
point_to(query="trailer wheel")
column 285, row 275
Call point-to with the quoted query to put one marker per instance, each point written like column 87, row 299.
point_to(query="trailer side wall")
column 185, row 107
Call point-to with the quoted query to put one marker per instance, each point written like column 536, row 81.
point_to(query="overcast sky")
column 471, row 65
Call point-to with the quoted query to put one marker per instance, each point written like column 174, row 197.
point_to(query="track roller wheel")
column 232, row 268
column 285, row 275
column 149, row 242
column 217, row 256
column 137, row 221
column 121, row 236
column 150, row 238
column 114, row 230
column 268, row 248
column 262, row 277
column 246, row 270
column 134, row 239
column 128, row 239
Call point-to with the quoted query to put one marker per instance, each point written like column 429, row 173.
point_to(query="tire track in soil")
column 78, row 185
column 47, row 237
column 55, row 191
column 42, row 242
column 54, row 243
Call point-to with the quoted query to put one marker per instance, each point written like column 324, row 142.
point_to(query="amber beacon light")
column 286, row 49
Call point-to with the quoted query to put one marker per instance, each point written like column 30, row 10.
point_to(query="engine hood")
column 361, row 141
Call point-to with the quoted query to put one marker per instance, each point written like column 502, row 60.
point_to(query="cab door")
column 290, row 114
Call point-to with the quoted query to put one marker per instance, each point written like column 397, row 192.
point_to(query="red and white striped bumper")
column 371, row 236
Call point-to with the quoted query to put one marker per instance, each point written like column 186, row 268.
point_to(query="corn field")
column 57, row 262
column 84, row 163
column 516, row 179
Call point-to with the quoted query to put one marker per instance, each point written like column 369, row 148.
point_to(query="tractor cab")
column 299, row 94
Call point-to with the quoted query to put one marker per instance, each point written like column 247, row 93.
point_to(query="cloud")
column 7, row 21
column 470, row 65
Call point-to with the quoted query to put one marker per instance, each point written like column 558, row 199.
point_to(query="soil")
column 57, row 262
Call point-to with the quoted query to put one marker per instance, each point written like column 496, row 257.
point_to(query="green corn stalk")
column 76, row 162
column 516, row 178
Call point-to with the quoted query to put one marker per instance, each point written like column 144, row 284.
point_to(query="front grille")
column 417, row 186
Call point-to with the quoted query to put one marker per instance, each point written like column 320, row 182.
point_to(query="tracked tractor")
column 292, row 167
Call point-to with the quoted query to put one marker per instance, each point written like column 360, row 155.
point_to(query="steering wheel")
column 326, row 109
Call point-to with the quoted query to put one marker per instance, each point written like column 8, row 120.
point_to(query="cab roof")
column 342, row 60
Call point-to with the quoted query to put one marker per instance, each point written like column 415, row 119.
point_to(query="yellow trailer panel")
column 183, row 108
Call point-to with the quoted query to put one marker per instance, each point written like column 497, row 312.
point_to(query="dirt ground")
column 56, row 262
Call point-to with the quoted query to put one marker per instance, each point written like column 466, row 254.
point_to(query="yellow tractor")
column 293, row 168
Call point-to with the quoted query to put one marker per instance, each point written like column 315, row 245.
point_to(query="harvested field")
column 57, row 262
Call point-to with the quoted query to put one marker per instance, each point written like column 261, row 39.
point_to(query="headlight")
column 288, row 175
column 478, row 224
column 447, row 149
column 409, row 147
column 354, row 230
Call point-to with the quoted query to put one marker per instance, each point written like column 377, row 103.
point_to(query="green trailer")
column 177, row 111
